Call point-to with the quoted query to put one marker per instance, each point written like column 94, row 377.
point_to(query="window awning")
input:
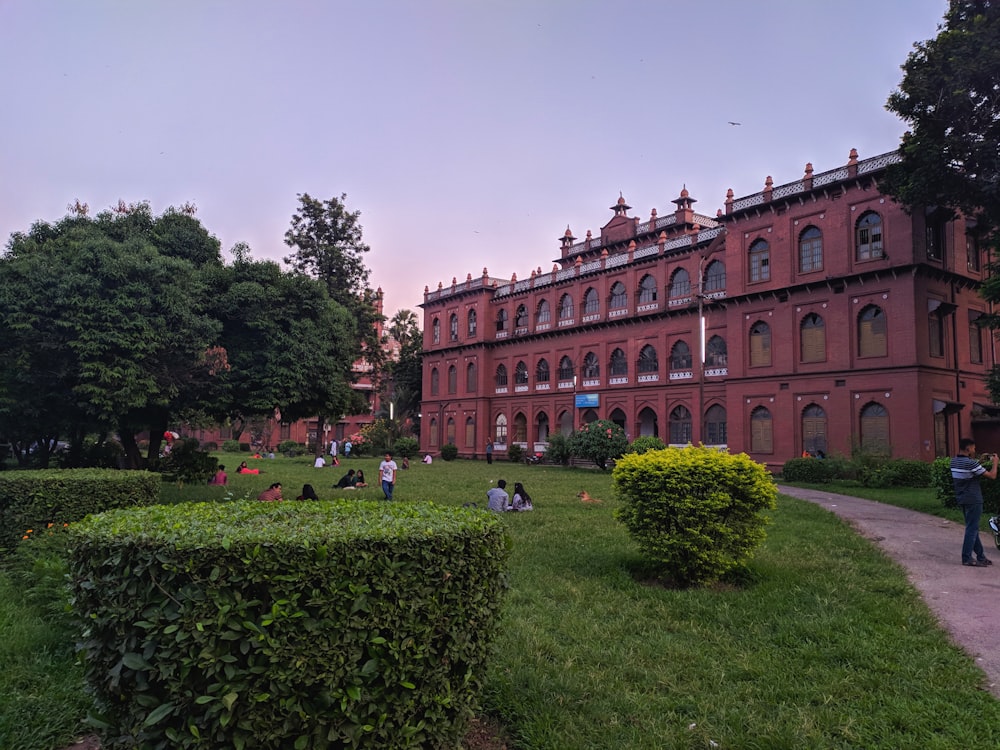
column 947, row 407
column 985, row 411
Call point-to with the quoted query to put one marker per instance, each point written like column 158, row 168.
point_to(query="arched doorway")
column 648, row 425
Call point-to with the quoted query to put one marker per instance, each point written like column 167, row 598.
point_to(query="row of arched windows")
column 868, row 245
column 872, row 337
column 872, row 426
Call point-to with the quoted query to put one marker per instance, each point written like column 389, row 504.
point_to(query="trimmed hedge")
column 34, row 499
column 698, row 513
column 331, row 624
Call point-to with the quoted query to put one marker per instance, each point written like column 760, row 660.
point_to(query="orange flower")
column 50, row 526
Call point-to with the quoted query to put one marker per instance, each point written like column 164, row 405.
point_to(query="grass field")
column 821, row 644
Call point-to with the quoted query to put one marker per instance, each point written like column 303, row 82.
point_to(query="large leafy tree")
column 950, row 98
column 328, row 245
column 404, row 373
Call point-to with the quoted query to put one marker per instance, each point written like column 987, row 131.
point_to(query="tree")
column 599, row 441
column 950, row 98
column 329, row 247
column 405, row 378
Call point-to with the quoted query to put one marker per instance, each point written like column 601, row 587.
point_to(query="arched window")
column 501, row 376
column 591, row 366
column 453, row 327
column 618, row 417
column 647, row 289
column 975, row 337
column 868, row 237
column 810, row 250
column 435, row 381
column 452, row 379
column 542, row 371
column 715, row 277
column 814, row 429
column 619, row 365
column 680, row 426
column 500, row 433
column 619, row 297
column 565, row 369
column 520, row 373
column 648, row 360
column 812, row 338
column 566, row 423
column 716, row 354
column 591, row 302
column 521, row 317
column 434, row 432
column 715, row 426
column 875, row 429
column 761, row 432
column 472, row 322
column 502, row 320
column 680, row 357
column 872, row 332
column 760, row 261
column 760, row 344
column 566, row 307
column 436, row 331
column 680, row 283
column 544, row 314
column 471, row 378
column 520, row 428
column 450, row 431
column 470, row 432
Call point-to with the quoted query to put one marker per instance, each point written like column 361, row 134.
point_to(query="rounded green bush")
column 646, row 443
column 231, row 446
column 696, row 512
column 449, row 452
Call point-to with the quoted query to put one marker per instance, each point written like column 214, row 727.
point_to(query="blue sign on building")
column 584, row 400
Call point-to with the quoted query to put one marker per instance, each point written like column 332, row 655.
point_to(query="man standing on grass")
column 965, row 473
column 388, row 471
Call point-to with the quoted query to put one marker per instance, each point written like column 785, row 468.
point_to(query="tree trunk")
column 133, row 459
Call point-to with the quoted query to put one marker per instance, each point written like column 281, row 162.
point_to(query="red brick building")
column 815, row 315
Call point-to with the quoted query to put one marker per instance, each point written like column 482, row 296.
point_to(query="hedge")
column 300, row 625
column 34, row 499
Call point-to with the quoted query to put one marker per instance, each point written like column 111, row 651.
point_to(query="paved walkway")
column 966, row 600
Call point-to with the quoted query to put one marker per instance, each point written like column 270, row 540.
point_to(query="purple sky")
column 469, row 133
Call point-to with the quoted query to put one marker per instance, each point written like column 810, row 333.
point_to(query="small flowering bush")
column 600, row 442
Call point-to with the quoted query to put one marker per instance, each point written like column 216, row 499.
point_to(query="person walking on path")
column 387, row 470
column 489, row 451
column 965, row 473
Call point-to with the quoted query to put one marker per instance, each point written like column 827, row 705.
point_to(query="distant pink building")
column 811, row 316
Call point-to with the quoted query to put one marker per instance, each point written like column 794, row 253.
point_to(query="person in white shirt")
column 387, row 471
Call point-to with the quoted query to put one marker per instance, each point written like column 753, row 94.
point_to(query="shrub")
column 289, row 448
column 244, row 447
column 646, row 443
column 897, row 473
column 449, row 452
column 186, row 463
column 515, row 453
column 34, row 499
column 810, row 470
column 559, row 450
column 406, row 447
column 696, row 512
column 211, row 446
column 231, row 446
column 349, row 624
column 600, row 442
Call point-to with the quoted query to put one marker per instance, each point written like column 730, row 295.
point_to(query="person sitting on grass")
column 220, row 476
column 347, row 481
column 272, row 494
column 308, row 493
column 359, row 479
column 521, row 500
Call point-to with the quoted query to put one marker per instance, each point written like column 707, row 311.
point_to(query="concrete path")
column 966, row 600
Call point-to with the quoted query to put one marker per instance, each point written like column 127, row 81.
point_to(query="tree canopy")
column 129, row 322
column 950, row 98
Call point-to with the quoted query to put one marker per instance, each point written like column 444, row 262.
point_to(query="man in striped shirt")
column 965, row 473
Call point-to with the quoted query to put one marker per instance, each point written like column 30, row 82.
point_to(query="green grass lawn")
column 821, row 644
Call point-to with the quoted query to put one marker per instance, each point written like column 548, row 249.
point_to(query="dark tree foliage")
column 329, row 246
column 950, row 98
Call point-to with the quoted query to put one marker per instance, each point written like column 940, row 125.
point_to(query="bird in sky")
column 735, row 123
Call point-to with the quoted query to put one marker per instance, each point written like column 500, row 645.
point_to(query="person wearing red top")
column 272, row 494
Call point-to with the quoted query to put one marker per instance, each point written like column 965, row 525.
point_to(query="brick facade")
column 830, row 318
